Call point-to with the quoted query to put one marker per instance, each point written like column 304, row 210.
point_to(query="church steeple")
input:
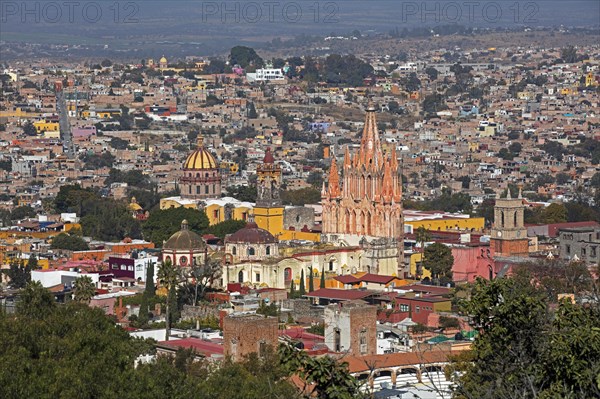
column 334, row 180
column 370, row 154
column 368, row 202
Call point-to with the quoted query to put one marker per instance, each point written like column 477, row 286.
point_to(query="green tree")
column 225, row 227
column 439, row 261
column 252, row 111
column 168, row 275
column 292, row 290
column 302, row 289
column 22, row 212
column 554, row 213
column 19, row 273
column 162, row 224
column 311, row 280
column 244, row 57
column 330, row 376
column 32, row 262
column 29, row 129
column 35, row 301
column 150, row 289
column 537, row 351
column 322, row 283
column 69, row 242
column 83, row 289
column 243, row 193
column 303, row 196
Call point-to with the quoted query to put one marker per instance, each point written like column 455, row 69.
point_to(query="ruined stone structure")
column 351, row 327
column 245, row 334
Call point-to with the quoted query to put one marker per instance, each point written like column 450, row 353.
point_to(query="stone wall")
column 301, row 308
column 201, row 311
column 298, row 218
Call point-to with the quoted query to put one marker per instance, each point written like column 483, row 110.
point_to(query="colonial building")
column 509, row 234
column 201, row 175
column 369, row 200
column 251, row 244
column 285, row 223
column 184, row 247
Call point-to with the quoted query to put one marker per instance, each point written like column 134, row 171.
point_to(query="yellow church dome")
column 200, row 159
column 163, row 60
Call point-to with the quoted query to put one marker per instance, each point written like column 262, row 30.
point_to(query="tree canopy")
column 526, row 349
column 439, row 261
column 162, row 224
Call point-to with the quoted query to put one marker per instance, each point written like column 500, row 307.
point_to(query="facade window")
column 251, row 251
column 205, row 189
column 568, row 249
column 404, row 308
column 257, row 277
column 197, row 189
column 233, row 250
column 241, row 276
column 417, row 309
column 337, row 338
column 583, row 253
column 363, row 341
column 330, row 265
column 268, row 250
column 593, row 253
column 190, row 189
column 262, row 349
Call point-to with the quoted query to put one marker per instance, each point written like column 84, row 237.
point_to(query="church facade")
column 364, row 207
column 368, row 202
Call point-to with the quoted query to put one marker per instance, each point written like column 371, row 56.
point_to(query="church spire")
column 334, row 180
column 370, row 154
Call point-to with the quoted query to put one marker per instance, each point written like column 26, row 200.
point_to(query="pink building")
column 471, row 262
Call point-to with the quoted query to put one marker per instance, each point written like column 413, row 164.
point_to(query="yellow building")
column 177, row 202
column 590, row 80
column 46, row 126
column 442, row 221
column 230, row 166
column 269, row 212
column 227, row 208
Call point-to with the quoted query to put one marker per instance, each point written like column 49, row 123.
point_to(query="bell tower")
column 268, row 212
column 509, row 234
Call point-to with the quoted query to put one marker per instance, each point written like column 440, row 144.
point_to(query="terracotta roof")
column 268, row 156
column 343, row 295
column 366, row 363
column 198, row 345
column 347, row 279
column 377, row 278
column 251, row 234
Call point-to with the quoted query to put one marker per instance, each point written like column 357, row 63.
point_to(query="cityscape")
column 338, row 200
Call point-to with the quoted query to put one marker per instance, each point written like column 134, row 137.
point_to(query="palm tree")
column 168, row 275
column 83, row 289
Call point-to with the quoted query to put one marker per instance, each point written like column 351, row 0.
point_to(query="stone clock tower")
column 509, row 235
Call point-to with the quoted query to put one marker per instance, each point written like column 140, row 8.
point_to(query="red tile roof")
column 342, row 295
column 347, row 279
column 366, row 363
column 198, row 345
column 377, row 278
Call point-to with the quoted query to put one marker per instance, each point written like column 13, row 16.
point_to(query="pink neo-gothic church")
column 369, row 200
